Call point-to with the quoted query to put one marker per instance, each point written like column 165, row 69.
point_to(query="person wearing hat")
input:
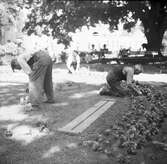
column 116, row 75
column 37, row 64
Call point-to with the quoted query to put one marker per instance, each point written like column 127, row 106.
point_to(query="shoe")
column 102, row 91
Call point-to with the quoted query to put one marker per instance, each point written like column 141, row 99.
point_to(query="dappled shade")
column 10, row 94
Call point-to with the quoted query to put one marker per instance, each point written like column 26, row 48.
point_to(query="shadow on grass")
column 52, row 147
column 10, row 93
column 28, row 144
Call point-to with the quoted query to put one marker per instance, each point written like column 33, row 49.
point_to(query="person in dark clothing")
column 115, row 76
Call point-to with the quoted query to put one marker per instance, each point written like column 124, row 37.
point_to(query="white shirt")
column 23, row 59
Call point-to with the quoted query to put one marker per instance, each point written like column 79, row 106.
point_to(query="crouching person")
column 115, row 76
column 73, row 62
column 38, row 66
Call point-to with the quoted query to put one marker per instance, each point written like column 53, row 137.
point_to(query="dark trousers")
column 40, row 80
column 113, row 90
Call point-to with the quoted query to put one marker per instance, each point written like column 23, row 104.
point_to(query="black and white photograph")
column 83, row 82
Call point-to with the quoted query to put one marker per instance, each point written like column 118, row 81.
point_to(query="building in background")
column 114, row 41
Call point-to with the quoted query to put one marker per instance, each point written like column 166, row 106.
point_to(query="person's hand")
column 134, row 88
column 133, row 81
column 137, row 82
column 30, row 74
column 131, row 86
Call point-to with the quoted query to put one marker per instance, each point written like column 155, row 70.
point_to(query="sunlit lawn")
column 13, row 84
column 69, row 104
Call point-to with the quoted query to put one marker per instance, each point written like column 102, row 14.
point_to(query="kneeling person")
column 116, row 75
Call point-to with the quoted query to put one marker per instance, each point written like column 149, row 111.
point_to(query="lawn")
column 74, row 94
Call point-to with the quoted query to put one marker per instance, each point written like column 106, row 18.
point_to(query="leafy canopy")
column 59, row 17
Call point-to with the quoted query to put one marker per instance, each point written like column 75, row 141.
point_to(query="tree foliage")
column 58, row 18
column 9, row 10
column 9, row 7
column 153, row 15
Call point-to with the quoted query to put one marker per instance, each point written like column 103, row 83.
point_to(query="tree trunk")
column 154, row 25
column 154, row 39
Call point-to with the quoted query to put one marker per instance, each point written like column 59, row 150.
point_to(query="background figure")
column 103, row 51
column 145, row 46
column 73, row 61
column 114, row 78
column 93, row 51
column 91, row 54
column 93, row 47
column 104, row 47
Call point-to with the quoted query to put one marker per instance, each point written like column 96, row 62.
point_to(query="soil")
column 74, row 94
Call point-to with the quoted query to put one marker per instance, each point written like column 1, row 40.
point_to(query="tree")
column 9, row 10
column 58, row 18
column 153, row 15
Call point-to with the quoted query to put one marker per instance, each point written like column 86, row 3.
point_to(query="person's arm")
column 129, row 80
column 129, row 74
column 78, row 62
column 22, row 60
